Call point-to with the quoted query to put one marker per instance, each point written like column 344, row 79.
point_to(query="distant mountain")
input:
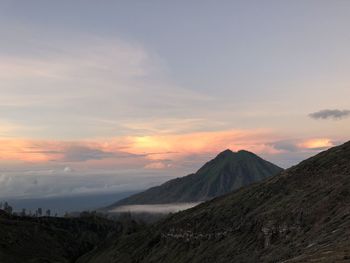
column 227, row 172
column 300, row 215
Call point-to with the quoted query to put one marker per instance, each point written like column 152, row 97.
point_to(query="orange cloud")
column 20, row 150
column 200, row 142
column 317, row 143
column 150, row 152
column 153, row 148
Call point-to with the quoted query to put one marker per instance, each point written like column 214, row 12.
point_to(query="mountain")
column 225, row 173
column 300, row 215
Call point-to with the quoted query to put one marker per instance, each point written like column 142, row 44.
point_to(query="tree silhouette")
column 23, row 213
column 7, row 208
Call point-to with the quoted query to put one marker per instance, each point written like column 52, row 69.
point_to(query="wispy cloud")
column 85, row 86
column 330, row 114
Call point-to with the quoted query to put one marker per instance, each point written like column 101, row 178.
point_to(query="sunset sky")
column 111, row 96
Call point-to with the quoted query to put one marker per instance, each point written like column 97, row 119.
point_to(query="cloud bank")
column 32, row 168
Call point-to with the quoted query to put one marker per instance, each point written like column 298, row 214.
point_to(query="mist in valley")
column 155, row 208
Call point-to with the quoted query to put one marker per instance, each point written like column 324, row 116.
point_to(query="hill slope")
column 51, row 239
column 301, row 215
column 225, row 173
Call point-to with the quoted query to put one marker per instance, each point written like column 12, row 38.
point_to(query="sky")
column 111, row 96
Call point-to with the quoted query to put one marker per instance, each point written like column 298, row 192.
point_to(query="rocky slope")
column 227, row 172
column 300, row 215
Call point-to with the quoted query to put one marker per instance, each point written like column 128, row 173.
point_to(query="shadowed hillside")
column 52, row 239
column 300, row 215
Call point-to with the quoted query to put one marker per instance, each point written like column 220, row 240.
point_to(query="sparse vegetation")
column 301, row 215
column 54, row 239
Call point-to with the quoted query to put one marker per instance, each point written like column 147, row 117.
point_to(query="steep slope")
column 227, row 172
column 301, row 215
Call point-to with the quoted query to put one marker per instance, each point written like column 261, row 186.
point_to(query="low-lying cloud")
column 156, row 208
column 38, row 184
column 330, row 114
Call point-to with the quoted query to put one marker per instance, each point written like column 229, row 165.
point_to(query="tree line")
column 5, row 206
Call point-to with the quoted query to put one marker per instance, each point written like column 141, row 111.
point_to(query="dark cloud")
column 292, row 152
column 330, row 114
column 83, row 153
column 296, row 145
column 286, row 145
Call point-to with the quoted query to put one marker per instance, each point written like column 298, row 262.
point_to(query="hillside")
column 300, row 215
column 51, row 239
column 225, row 173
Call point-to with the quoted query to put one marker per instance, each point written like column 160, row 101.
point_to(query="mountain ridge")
column 228, row 171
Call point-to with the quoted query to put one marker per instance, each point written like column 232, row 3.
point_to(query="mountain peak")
column 226, row 153
column 230, row 153
column 244, row 151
